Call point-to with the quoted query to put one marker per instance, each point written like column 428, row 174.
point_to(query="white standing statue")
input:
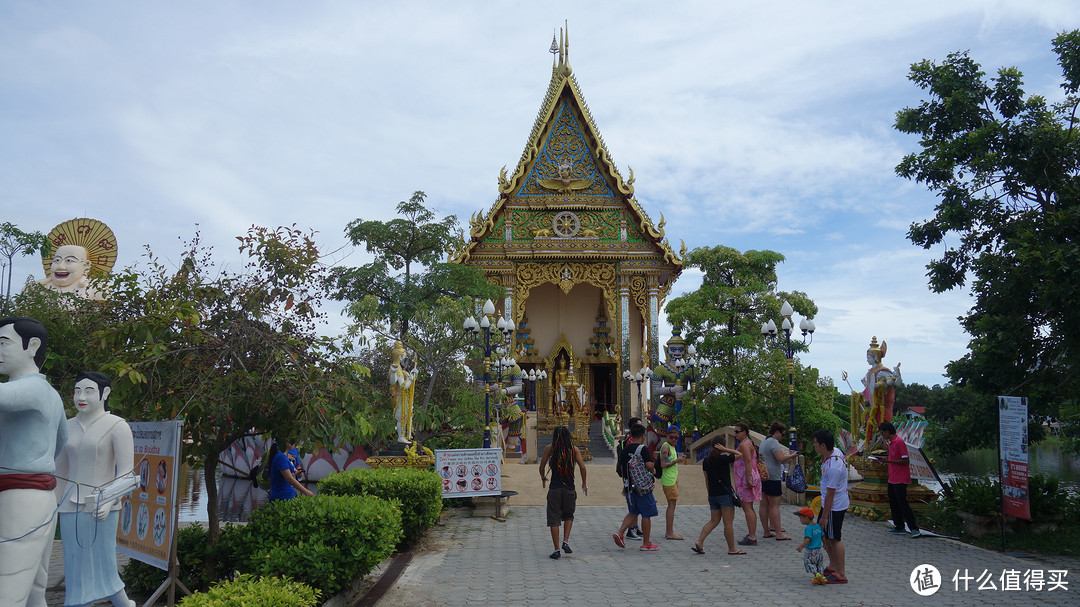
column 32, row 433
column 99, row 450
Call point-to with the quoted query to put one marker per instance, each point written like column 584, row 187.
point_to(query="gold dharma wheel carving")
column 566, row 224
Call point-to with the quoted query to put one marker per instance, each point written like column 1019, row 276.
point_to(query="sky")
column 755, row 125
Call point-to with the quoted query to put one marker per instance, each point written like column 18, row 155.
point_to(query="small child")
column 813, row 559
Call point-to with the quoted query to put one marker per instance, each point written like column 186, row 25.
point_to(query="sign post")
column 1012, row 452
column 149, row 516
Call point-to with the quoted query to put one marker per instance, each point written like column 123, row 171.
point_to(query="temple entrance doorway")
column 604, row 395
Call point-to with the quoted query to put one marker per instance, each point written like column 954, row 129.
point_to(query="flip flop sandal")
column 697, row 549
column 782, row 539
column 832, row 579
column 618, row 540
column 768, row 536
column 677, row 537
column 736, row 553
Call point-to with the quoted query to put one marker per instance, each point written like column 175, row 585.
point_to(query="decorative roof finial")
column 554, row 50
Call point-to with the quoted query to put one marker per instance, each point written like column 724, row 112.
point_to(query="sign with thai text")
column 469, row 472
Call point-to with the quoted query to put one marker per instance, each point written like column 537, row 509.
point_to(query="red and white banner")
column 1013, row 429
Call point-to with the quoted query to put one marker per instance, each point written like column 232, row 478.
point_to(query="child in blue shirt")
column 813, row 558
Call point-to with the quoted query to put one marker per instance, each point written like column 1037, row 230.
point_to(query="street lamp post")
column 641, row 377
column 481, row 333
column 768, row 330
column 532, row 377
column 694, row 366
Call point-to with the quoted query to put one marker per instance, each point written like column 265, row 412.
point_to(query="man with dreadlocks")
column 562, row 498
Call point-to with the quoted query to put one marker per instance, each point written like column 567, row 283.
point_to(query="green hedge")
column 418, row 491
column 193, row 548
column 324, row 541
column 249, row 591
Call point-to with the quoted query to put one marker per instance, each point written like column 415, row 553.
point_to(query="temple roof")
column 565, row 197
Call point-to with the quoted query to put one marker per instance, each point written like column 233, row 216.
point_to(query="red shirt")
column 899, row 473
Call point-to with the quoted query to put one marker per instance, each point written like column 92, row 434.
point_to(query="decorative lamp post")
column 480, row 333
column 768, row 330
column 532, row 377
column 641, row 377
column 693, row 367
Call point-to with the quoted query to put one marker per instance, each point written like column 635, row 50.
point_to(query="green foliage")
column 250, row 591
column 229, row 351
column 324, row 541
column 14, row 242
column 978, row 496
column 1048, row 501
column 960, row 418
column 193, row 548
column 1005, row 166
column 71, row 322
column 419, row 493
column 749, row 381
column 406, row 275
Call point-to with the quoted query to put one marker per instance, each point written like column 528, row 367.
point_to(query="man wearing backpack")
column 633, row 532
column 637, row 469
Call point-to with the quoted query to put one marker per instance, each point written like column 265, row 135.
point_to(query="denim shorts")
column 644, row 505
column 719, row 502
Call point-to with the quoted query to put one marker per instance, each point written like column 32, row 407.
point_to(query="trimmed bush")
column 323, row 541
column 193, row 548
column 249, row 591
column 418, row 491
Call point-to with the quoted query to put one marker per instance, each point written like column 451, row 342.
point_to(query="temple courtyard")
column 470, row 559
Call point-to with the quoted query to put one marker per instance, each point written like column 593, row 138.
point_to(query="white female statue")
column 99, row 449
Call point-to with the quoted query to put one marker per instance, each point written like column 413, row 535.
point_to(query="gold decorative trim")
column 565, row 275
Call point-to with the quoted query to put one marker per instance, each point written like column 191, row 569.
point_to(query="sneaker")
column 555, row 555
column 618, row 540
column 916, row 533
column 633, row 534
column 746, row 541
column 566, row 548
column 650, row 547
column 896, row 531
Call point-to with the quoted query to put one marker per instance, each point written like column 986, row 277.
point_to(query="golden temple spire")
column 554, row 50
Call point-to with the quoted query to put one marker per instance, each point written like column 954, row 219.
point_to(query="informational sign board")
column 148, row 515
column 469, row 472
column 920, row 467
column 1013, row 429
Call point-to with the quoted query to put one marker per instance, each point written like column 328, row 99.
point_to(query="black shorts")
column 561, row 503
column 771, row 488
column 836, row 524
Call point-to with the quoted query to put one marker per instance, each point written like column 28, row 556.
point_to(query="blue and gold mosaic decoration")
column 565, row 164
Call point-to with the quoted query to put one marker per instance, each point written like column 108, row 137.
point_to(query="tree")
column 408, row 294
column 1005, row 166
column 14, row 241
column 749, row 381
column 233, row 353
column 406, row 275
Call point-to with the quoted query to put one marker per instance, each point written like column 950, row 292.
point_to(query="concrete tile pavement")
column 477, row 561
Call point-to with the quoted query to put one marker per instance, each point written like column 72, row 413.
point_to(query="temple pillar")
column 624, row 345
column 654, row 332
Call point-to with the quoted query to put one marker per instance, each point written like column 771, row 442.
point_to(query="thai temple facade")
column 584, row 267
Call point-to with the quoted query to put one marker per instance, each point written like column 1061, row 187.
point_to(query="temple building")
column 584, row 267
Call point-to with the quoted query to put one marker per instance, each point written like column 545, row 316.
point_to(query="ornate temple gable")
column 566, row 198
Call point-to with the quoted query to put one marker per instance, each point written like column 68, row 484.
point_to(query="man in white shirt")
column 834, row 503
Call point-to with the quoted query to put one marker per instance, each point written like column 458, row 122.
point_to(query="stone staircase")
column 597, row 447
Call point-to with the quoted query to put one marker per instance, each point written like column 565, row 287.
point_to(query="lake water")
column 237, row 497
column 1046, row 458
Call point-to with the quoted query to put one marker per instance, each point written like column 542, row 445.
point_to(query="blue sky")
column 753, row 125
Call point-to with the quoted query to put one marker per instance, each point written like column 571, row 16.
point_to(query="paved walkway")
column 476, row 561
